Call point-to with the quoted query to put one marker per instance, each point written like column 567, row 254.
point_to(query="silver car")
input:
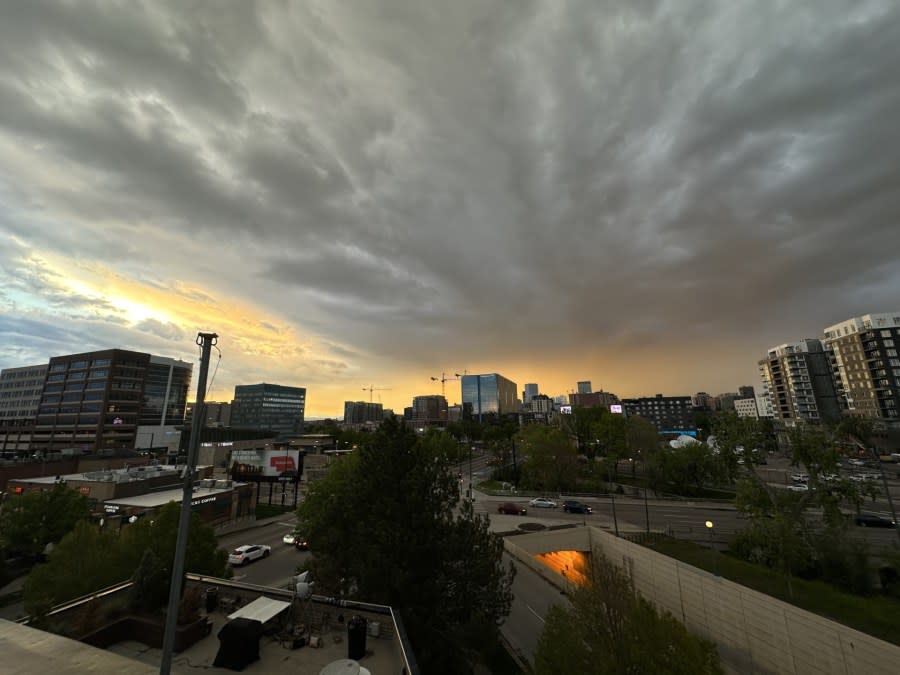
column 245, row 554
column 542, row 503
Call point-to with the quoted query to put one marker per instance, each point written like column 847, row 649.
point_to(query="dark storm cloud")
column 412, row 178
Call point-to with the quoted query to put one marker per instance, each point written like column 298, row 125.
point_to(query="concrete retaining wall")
column 756, row 633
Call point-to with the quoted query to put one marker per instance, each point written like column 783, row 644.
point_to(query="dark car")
column 872, row 520
column 571, row 506
column 301, row 543
column 511, row 509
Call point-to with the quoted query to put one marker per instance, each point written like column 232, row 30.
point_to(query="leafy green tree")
column 90, row 558
column 781, row 532
column 550, row 461
column 31, row 521
column 643, row 439
column 687, row 470
column 610, row 433
column 580, row 424
column 609, row 628
column 387, row 527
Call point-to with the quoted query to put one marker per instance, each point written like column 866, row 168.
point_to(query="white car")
column 290, row 539
column 799, row 487
column 542, row 503
column 856, row 462
column 245, row 554
column 799, row 477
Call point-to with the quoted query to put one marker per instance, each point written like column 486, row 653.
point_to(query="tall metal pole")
column 206, row 342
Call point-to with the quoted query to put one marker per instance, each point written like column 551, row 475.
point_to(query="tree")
column 610, row 432
column 550, row 461
column 31, row 521
column 385, row 527
column 686, row 470
column 780, row 533
column 609, row 628
column 643, row 439
column 90, row 558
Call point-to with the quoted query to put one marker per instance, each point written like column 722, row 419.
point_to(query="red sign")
column 85, row 489
column 282, row 463
column 19, row 489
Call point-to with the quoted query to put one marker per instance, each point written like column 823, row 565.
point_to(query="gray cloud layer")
column 412, row 179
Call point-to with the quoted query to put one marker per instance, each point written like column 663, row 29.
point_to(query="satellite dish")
column 304, row 590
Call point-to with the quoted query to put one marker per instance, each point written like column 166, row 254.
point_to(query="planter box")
column 148, row 631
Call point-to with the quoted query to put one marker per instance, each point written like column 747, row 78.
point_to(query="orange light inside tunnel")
column 573, row 565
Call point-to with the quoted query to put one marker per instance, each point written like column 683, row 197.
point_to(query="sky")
column 647, row 195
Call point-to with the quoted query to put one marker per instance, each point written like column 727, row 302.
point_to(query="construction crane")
column 443, row 379
column 372, row 388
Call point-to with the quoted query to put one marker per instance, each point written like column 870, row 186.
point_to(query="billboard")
column 565, row 410
column 616, row 408
column 268, row 464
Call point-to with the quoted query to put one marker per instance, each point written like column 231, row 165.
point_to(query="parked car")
column 874, row 520
column 572, row 506
column 511, row 509
column 245, row 554
column 542, row 503
column 799, row 477
column 798, row 487
column 289, row 538
column 856, row 462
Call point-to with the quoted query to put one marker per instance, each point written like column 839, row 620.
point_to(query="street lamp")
column 709, row 529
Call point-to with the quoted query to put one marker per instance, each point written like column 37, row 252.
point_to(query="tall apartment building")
column 363, row 412
column 584, row 387
column 430, row 410
column 531, row 390
column 489, row 394
column 20, row 392
column 96, row 400
column 272, row 407
column 797, row 381
column 863, row 355
column 668, row 413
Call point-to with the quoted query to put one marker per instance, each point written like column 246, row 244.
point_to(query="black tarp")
column 238, row 644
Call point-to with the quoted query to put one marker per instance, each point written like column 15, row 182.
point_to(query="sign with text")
column 267, row 464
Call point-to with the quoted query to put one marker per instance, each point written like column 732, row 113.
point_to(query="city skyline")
column 646, row 197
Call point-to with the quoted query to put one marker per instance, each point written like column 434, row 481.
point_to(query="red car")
column 511, row 509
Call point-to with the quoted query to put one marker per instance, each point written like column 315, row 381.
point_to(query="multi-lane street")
column 283, row 561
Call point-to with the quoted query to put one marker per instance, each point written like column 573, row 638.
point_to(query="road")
column 532, row 598
column 282, row 563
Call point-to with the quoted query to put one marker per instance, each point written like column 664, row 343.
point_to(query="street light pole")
column 709, row 529
column 206, row 342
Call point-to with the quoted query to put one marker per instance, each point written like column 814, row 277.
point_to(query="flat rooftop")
column 163, row 497
column 124, row 475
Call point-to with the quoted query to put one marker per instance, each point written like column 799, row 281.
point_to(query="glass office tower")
column 268, row 406
column 489, row 394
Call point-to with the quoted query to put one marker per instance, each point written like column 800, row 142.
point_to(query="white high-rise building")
column 531, row 390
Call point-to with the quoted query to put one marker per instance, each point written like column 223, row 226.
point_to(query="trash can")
column 356, row 637
column 212, row 599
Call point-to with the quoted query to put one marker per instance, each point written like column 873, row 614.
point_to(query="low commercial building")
column 217, row 502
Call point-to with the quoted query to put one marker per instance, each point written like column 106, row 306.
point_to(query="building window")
column 55, row 378
column 78, row 364
column 57, row 367
column 98, row 373
column 101, row 362
column 76, row 376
